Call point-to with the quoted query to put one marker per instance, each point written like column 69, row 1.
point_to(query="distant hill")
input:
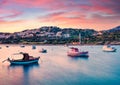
column 114, row 29
column 56, row 35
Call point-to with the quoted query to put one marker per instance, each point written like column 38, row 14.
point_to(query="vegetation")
column 88, row 36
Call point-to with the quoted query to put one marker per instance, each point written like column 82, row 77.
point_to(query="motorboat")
column 22, row 46
column 33, row 47
column 25, row 60
column 43, row 50
column 7, row 46
column 108, row 48
column 74, row 52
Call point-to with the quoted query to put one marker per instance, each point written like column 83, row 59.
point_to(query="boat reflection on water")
column 22, row 73
column 24, row 68
column 80, row 58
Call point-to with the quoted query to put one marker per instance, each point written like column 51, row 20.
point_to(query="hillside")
column 56, row 35
column 115, row 29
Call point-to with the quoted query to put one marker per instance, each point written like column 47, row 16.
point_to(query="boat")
column 74, row 52
column 22, row 46
column 7, row 46
column 33, row 47
column 25, row 60
column 43, row 50
column 66, row 45
column 108, row 48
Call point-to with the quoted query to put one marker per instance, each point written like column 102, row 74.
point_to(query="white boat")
column 74, row 52
column 108, row 48
column 25, row 60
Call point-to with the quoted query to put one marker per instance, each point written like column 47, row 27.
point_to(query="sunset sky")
column 18, row 15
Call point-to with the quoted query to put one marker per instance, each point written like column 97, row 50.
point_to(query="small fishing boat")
column 74, row 52
column 7, row 46
column 108, row 48
column 33, row 47
column 22, row 46
column 25, row 60
column 43, row 50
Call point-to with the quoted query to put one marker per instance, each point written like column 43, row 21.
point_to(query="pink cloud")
column 3, row 2
column 108, row 6
column 5, row 13
column 33, row 3
column 64, row 17
column 64, row 12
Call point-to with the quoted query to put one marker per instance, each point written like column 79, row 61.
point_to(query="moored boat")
column 25, row 60
column 74, row 52
column 33, row 47
column 7, row 46
column 108, row 48
column 43, row 50
column 22, row 46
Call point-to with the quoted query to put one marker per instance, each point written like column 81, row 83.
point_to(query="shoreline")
column 58, row 44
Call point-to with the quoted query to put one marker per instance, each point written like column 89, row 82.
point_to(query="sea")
column 56, row 68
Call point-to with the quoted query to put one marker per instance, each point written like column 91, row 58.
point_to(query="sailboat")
column 74, row 52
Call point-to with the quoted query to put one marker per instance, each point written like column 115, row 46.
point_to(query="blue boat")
column 43, row 51
column 26, row 59
column 33, row 47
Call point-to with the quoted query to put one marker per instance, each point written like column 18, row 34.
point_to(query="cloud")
column 72, row 13
column 108, row 6
column 10, row 14
column 33, row 3
column 3, row 2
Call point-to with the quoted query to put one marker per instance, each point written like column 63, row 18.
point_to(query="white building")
column 59, row 34
column 66, row 35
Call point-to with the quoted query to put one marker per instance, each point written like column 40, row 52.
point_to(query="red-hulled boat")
column 74, row 52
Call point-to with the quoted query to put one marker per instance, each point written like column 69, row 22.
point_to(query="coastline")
column 66, row 44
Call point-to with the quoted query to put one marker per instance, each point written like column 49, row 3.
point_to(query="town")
column 56, row 35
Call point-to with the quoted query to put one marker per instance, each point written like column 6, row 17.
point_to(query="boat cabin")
column 26, row 57
column 74, row 49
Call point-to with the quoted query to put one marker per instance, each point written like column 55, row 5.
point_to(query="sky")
column 18, row 15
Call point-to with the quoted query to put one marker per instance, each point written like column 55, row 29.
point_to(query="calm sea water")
column 56, row 68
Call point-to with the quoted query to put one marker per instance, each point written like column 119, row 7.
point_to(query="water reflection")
column 100, row 68
column 80, row 58
column 24, row 66
column 22, row 72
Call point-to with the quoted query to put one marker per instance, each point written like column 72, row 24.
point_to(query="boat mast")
column 80, row 42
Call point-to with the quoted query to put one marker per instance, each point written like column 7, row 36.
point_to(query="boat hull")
column 21, row 62
column 109, row 50
column 43, row 51
column 78, row 54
